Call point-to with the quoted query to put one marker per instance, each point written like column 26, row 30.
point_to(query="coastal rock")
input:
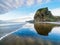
column 43, row 14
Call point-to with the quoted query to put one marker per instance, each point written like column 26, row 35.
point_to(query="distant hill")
column 44, row 14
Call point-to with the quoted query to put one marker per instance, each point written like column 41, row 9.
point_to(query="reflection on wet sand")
column 43, row 28
column 28, row 40
column 16, row 40
column 26, row 36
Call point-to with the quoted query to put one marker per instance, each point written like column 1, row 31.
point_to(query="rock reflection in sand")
column 25, row 37
column 43, row 28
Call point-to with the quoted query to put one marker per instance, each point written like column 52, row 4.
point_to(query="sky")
column 13, row 9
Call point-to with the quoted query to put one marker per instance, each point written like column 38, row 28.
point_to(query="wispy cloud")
column 39, row 1
column 56, row 11
column 11, row 4
column 30, row 2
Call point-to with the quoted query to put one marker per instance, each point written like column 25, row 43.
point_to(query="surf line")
column 11, row 33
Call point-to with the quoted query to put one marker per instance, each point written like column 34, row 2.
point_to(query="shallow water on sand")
column 34, row 32
column 8, row 28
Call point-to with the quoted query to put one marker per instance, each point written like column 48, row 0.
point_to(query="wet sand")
column 26, row 39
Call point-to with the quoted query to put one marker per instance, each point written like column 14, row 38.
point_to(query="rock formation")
column 43, row 14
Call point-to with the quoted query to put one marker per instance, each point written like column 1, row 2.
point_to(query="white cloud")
column 11, row 4
column 39, row 1
column 30, row 2
column 42, row 1
column 22, row 18
column 18, row 3
column 7, row 5
column 56, row 11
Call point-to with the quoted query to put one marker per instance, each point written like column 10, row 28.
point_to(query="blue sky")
column 12, row 9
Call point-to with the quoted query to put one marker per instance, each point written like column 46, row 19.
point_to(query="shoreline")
column 10, row 33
